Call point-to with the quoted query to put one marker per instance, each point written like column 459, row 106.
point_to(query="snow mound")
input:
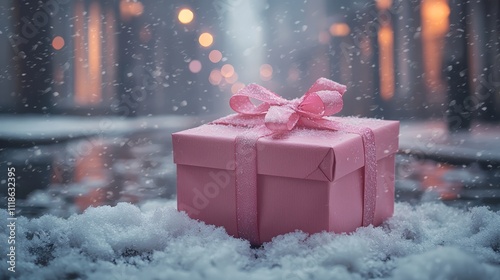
column 154, row 241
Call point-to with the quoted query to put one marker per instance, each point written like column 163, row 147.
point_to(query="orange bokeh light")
column 227, row 70
column 339, row 29
column 206, row 39
column 435, row 24
column 130, row 9
column 435, row 17
column 233, row 79
column 215, row 56
column 266, row 72
column 386, row 59
column 384, row 4
column 185, row 16
column 58, row 42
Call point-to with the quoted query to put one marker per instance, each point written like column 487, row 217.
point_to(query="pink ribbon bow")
column 324, row 98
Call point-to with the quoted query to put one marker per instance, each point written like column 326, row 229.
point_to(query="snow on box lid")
column 302, row 153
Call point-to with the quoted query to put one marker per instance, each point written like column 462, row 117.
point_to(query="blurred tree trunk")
column 32, row 44
column 7, row 70
column 409, row 97
column 489, row 75
column 456, row 66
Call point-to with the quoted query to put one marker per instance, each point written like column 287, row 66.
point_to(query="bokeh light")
column 435, row 17
column 236, row 87
column 293, row 74
column 339, row 29
column 232, row 79
column 185, row 16
column 215, row 56
column 384, row 4
column 195, row 66
column 215, row 77
column 58, row 42
column 206, row 39
column 130, row 9
column 266, row 72
column 227, row 70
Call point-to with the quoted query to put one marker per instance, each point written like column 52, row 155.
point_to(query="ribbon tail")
column 241, row 101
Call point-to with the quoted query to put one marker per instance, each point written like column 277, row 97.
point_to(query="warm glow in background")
column 185, row 16
column 206, row 39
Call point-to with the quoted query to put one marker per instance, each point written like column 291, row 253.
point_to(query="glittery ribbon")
column 277, row 115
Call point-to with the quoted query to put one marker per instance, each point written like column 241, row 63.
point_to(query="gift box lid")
column 302, row 153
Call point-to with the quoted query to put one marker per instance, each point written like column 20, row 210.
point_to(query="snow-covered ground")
column 39, row 128
column 154, row 241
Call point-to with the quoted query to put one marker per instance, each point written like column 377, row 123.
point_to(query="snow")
column 431, row 139
column 34, row 127
column 154, row 241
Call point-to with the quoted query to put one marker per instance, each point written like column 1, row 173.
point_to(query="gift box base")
column 285, row 204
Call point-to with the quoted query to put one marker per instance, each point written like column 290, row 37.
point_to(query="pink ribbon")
column 324, row 98
column 279, row 115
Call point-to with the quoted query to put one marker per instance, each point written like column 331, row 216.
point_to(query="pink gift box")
column 307, row 179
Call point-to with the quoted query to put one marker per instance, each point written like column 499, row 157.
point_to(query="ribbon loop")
column 312, row 106
column 332, row 100
column 241, row 103
column 324, row 98
column 326, row 84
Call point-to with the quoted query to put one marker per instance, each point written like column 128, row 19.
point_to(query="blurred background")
column 90, row 91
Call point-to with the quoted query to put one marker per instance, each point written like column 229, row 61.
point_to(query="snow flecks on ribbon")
column 246, row 182
column 428, row 241
column 327, row 84
column 322, row 99
column 240, row 120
